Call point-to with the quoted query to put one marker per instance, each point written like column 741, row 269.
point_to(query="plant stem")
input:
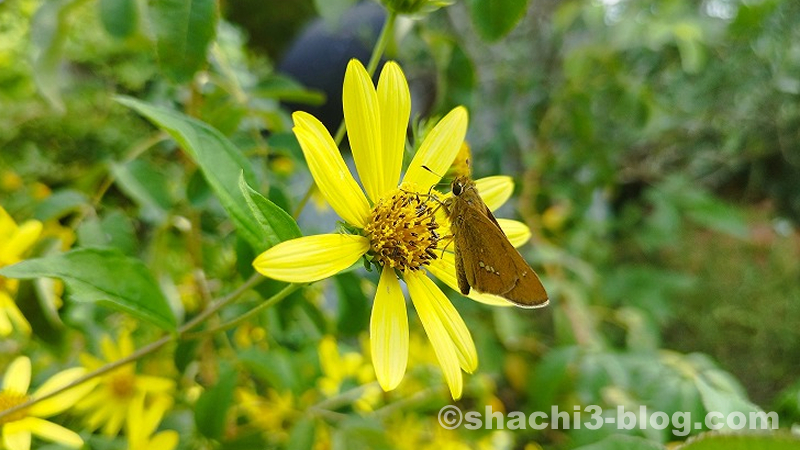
column 285, row 292
column 149, row 348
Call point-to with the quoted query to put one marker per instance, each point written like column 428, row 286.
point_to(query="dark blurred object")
column 318, row 57
column 271, row 24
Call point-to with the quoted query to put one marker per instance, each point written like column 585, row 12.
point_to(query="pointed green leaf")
column 276, row 224
column 212, row 407
column 184, row 29
column 145, row 184
column 219, row 160
column 729, row 441
column 103, row 276
column 49, row 31
column 495, row 18
column 119, row 17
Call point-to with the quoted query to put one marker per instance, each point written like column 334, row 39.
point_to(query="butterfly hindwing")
column 484, row 257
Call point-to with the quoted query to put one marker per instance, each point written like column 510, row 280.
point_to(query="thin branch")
column 146, row 350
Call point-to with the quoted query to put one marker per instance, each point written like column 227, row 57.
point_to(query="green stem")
column 285, row 292
column 147, row 349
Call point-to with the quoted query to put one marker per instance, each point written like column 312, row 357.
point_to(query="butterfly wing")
column 493, row 265
column 461, row 276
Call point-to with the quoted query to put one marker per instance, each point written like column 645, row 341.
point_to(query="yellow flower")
column 17, row 428
column 118, row 392
column 15, row 240
column 397, row 228
column 142, row 423
column 271, row 414
column 339, row 369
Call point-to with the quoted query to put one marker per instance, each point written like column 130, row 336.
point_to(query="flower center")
column 8, row 400
column 402, row 231
column 123, row 385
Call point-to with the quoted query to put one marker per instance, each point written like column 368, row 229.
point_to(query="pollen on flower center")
column 402, row 230
column 8, row 400
column 123, row 385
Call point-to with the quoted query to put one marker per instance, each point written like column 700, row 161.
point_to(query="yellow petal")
column 164, row 440
column 18, row 375
column 52, row 432
column 64, row 400
column 115, row 420
column 109, row 348
column 443, row 346
column 517, row 232
column 329, row 170
column 126, row 346
column 444, row 269
column 495, row 191
column 22, row 240
column 362, row 116
column 395, row 106
column 11, row 316
column 452, row 321
column 5, row 321
column 7, row 225
column 329, row 359
column 388, row 332
column 311, row 258
column 100, row 415
column 153, row 384
column 16, row 435
column 438, row 150
column 136, row 423
column 142, row 422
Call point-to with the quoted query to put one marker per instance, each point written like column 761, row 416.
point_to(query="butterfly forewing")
column 485, row 260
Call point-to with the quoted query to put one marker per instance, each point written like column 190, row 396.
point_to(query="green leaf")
column 724, row 401
column 119, row 17
column 103, row 276
column 286, row 89
column 276, row 224
column 146, row 185
column 49, row 30
column 353, row 312
column 274, row 367
column 460, row 78
column 622, row 442
column 219, row 160
column 184, row 29
column 211, row 408
column 59, row 204
column 721, row 441
column 114, row 230
column 302, row 435
column 495, row 18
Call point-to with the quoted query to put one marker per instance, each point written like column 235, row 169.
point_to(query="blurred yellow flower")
column 17, row 428
column 40, row 191
column 10, row 181
column 397, row 227
column 338, row 369
column 142, row 423
column 271, row 414
column 15, row 240
column 119, row 392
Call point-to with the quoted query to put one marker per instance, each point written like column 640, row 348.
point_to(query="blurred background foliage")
column 655, row 147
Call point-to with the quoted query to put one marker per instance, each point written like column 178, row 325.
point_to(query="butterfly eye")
column 457, row 188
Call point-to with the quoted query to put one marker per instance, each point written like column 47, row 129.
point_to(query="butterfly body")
column 485, row 260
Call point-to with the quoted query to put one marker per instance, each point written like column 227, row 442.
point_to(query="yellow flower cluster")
column 15, row 240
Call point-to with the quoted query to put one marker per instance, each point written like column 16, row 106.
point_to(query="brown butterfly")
column 485, row 259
